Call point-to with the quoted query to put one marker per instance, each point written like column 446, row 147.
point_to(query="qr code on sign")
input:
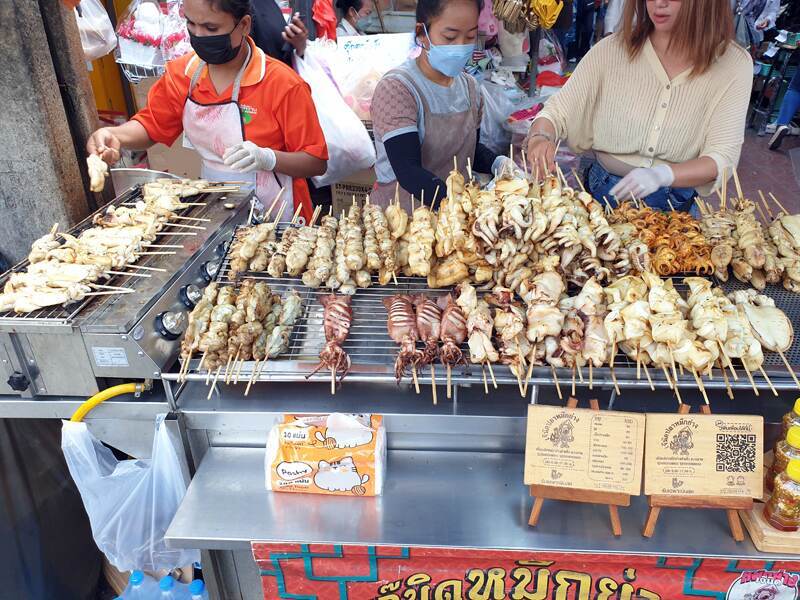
column 736, row 452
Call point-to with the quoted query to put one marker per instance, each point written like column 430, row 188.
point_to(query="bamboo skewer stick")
column 766, row 205
column 333, row 381
column 296, row 214
column 676, row 390
column 700, row 385
column 449, row 393
column 158, row 269
column 491, row 374
column 99, row 286
column 580, row 373
column 591, row 383
column 110, row 293
column 214, row 384
column 573, row 379
column 252, row 377
column 611, row 366
column 725, row 377
column 728, row 358
column 469, row 168
column 580, row 183
column 195, row 219
column 485, row 383
column 761, row 213
column 175, row 233
column 558, row 385
column 156, row 253
column 769, row 381
column 414, row 377
column 268, row 212
column 638, row 363
column 179, row 246
column 788, row 367
column 738, row 185
column 776, row 201
column 208, row 377
column 528, row 377
column 647, row 374
column 228, row 367
column 239, row 372
column 433, row 385
column 666, row 375
column 519, row 382
column 750, row 377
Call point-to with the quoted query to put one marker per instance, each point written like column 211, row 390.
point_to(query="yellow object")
column 793, row 437
column 793, row 470
column 100, row 397
column 547, row 11
column 797, row 406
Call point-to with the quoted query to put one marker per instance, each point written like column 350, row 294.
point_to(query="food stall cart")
column 454, row 511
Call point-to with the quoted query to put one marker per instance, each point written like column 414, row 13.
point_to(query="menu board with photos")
column 584, row 449
column 704, row 455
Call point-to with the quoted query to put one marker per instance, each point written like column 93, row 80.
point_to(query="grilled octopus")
column 454, row 332
column 402, row 325
column 336, row 321
column 429, row 326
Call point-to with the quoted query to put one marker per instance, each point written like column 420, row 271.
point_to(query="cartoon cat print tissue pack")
column 336, row 454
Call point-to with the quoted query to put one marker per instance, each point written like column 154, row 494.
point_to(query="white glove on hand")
column 642, row 182
column 247, row 157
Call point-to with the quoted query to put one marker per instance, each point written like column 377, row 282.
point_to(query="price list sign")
column 585, row 449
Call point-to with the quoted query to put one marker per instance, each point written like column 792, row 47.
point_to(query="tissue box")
column 338, row 454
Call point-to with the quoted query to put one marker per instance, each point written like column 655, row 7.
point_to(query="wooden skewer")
column 156, row 253
column 580, row 373
column 185, row 204
column 725, row 377
column 181, row 246
column 175, row 233
column 611, row 366
column 268, row 213
column 160, row 270
column 591, row 383
column 333, row 381
column 195, row 219
column 228, row 367
column 469, row 168
column 672, row 208
column 123, row 273
column 788, row 366
column 769, row 381
column 766, row 205
column 750, row 377
column 761, row 213
column 252, row 208
column 730, row 364
column 573, row 379
column 776, row 201
column 111, row 293
column 485, row 383
column 449, row 394
column 414, row 377
column 279, row 214
column 238, row 372
column 638, row 363
column 214, row 384
column 647, row 374
column 674, row 371
column 558, row 385
column 261, row 368
column 666, row 375
column 519, row 374
column 491, row 373
column 296, row 214
column 737, row 184
column 99, row 286
column 528, row 377
column 677, row 392
column 433, row 385
column 252, row 377
column 394, row 278
column 524, row 166
column 208, row 377
column 700, row 385
column 580, row 183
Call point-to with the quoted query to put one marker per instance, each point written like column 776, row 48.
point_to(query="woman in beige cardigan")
column 661, row 104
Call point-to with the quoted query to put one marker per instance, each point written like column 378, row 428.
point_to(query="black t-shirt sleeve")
column 267, row 32
column 405, row 156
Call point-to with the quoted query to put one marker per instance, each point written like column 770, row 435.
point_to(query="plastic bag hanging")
column 130, row 503
column 97, row 33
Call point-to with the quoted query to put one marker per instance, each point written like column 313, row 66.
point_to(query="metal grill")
column 373, row 352
column 93, row 305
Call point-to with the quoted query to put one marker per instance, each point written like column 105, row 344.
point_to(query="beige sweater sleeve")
column 725, row 130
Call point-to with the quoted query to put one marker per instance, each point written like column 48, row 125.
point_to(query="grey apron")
column 446, row 135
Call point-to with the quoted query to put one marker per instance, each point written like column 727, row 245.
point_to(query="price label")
column 584, row 449
column 704, row 455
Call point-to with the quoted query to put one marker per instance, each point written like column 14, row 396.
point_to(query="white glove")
column 247, row 157
column 642, row 182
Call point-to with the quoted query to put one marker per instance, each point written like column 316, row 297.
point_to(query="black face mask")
column 215, row 49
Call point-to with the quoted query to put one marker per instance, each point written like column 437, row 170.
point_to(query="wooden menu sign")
column 584, row 449
column 704, row 455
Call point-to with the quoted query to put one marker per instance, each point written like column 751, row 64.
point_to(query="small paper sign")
column 585, row 449
column 704, row 455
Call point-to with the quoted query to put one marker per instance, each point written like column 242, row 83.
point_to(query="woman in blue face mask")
column 428, row 110
column 355, row 14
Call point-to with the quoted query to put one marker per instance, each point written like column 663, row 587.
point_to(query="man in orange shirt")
column 249, row 116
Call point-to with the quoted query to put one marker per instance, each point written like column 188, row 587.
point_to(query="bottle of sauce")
column 785, row 450
column 790, row 419
column 782, row 511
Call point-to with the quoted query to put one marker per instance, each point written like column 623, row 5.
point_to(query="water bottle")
column 197, row 590
column 140, row 587
column 167, row 588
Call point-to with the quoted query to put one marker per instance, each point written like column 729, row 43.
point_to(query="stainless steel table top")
column 456, row 499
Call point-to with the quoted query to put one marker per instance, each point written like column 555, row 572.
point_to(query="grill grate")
column 373, row 352
column 68, row 314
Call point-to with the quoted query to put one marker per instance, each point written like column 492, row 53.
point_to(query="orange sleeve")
column 299, row 122
column 163, row 115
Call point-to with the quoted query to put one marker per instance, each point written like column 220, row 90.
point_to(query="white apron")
column 213, row 128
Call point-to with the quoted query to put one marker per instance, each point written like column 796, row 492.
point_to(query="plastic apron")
column 446, row 135
column 213, row 128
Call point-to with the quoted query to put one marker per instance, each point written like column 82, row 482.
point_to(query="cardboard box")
column 358, row 185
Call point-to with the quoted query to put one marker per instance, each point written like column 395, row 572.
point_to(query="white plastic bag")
column 350, row 148
column 97, row 33
column 130, row 503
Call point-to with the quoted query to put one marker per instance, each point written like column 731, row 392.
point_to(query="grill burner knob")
column 210, row 269
column 171, row 325
column 18, row 382
column 190, row 295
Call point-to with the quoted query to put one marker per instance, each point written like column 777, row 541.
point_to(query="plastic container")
column 785, row 450
column 140, row 587
column 171, row 590
column 197, row 590
column 790, row 419
column 782, row 511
